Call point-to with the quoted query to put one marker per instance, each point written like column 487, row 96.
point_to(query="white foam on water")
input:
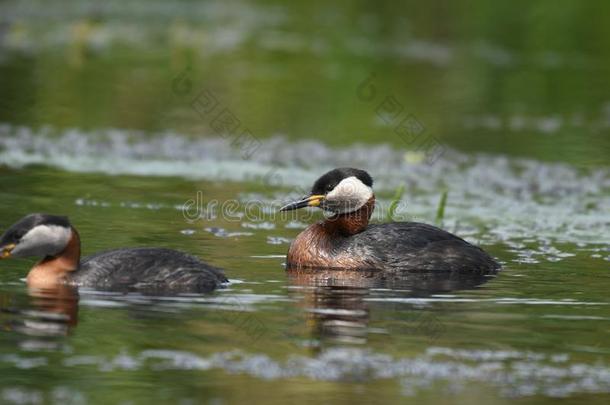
column 514, row 373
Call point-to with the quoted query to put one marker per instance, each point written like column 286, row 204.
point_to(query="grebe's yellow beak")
column 5, row 251
column 309, row 201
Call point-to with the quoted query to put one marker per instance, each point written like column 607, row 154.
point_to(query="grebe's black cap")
column 328, row 181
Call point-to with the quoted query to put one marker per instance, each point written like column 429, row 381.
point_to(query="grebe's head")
column 39, row 235
column 339, row 191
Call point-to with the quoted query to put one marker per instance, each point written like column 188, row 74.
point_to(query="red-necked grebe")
column 55, row 240
column 346, row 240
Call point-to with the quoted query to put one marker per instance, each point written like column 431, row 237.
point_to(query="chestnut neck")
column 53, row 270
column 351, row 223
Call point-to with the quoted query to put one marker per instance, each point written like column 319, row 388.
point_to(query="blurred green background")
column 515, row 77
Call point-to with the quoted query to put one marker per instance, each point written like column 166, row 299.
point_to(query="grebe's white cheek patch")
column 43, row 240
column 349, row 195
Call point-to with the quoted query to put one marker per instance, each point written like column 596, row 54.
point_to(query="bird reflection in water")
column 338, row 306
column 42, row 315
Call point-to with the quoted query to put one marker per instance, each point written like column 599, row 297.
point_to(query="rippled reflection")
column 42, row 316
column 337, row 302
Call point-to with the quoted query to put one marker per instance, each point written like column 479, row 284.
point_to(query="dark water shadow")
column 338, row 306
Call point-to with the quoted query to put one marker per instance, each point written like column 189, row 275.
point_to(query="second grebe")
column 346, row 240
column 149, row 269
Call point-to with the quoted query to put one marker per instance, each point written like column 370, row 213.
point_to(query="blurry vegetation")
column 527, row 80
column 440, row 210
column 394, row 203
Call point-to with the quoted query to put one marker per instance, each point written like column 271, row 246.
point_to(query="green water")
column 99, row 121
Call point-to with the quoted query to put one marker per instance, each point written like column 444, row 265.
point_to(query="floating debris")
column 261, row 225
column 223, row 233
column 277, row 240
